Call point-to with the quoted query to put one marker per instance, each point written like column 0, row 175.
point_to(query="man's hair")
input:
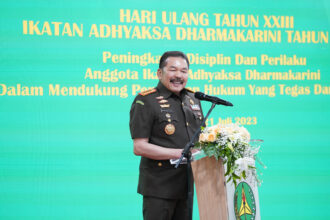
column 168, row 54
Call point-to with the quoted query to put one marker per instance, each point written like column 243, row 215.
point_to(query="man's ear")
column 159, row 73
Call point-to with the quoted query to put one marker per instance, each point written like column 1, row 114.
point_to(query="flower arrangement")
column 231, row 143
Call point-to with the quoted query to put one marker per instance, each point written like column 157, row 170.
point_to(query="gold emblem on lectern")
column 245, row 205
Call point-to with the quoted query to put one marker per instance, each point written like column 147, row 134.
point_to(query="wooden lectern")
column 210, row 182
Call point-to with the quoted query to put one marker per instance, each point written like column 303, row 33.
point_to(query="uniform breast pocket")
column 168, row 123
column 198, row 115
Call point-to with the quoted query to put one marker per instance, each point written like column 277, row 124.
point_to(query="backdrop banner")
column 70, row 70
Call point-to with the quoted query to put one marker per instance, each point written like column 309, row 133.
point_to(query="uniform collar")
column 167, row 93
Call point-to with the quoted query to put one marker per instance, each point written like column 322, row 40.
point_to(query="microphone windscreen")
column 199, row 95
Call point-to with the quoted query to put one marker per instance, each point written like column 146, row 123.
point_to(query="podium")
column 218, row 200
column 210, row 182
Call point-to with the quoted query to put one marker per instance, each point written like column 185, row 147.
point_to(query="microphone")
column 213, row 99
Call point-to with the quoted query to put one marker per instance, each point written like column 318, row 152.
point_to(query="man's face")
column 174, row 75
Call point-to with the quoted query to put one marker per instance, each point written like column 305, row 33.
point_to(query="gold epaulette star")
column 189, row 90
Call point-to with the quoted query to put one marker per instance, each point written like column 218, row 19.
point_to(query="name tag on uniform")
column 195, row 107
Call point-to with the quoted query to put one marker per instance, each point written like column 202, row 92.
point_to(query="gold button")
column 182, row 104
column 187, row 124
column 169, row 120
column 160, row 164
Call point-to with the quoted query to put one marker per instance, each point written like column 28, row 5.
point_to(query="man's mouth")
column 176, row 81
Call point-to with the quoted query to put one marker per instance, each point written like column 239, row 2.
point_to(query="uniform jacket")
column 153, row 115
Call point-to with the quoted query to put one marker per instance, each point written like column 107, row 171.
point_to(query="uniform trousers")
column 164, row 209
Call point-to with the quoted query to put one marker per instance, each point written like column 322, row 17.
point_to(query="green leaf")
column 244, row 174
column 235, row 176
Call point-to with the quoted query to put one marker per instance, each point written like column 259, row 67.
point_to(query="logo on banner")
column 244, row 203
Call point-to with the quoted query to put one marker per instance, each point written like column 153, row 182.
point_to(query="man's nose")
column 178, row 74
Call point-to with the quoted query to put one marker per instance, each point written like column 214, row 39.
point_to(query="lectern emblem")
column 244, row 203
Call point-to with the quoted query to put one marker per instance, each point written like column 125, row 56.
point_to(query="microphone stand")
column 187, row 154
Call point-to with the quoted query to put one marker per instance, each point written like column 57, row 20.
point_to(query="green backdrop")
column 70, row 156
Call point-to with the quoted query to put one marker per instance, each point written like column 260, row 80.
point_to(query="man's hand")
column 194, row 150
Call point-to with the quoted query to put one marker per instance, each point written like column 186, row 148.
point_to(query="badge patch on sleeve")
column 139, row 102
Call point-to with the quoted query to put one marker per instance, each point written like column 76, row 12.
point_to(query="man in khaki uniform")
column 162, row 121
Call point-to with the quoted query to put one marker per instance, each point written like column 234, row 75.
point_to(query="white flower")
column 244, row 163
column 244, row 134
column 229, row 130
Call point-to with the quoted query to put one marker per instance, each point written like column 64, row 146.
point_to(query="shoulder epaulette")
column 147, row 92
column 189, row 90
